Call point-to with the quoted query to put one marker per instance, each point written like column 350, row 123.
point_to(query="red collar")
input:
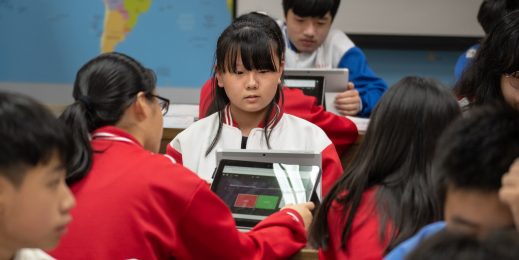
column 274, row 118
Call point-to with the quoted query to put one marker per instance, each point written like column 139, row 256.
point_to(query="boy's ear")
column 219, row 79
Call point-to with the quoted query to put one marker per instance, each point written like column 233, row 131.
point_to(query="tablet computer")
column 255, row 184
column 310, row 85
column 335, row 81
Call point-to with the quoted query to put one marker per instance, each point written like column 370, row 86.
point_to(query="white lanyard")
column 112, row 137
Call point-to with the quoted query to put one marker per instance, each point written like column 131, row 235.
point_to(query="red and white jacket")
column 341, row 131
column 287, row 133
column 135, row 204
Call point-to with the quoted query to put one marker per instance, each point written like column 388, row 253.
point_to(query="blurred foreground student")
column 341, row 130
column 494, row 73
column 475, row 153
column 386, row 194
column 490, row 12
column 497, row 245
column 35, row 202
column 136, row 204
column 248, row 100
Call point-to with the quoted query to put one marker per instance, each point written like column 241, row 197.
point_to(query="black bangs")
column 314, row 8
column 250, row 44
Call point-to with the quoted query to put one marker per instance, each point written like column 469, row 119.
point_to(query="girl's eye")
column 264, row 71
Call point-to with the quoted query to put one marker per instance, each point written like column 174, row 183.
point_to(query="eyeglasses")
column 513, row 79
column 163, row 103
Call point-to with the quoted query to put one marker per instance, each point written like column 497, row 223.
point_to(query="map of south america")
column 120, row 18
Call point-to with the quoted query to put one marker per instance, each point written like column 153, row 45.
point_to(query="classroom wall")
column 393, row 17
column 391, row 65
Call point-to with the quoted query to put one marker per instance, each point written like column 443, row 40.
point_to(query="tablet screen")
column 310, row 85
column 254, row 190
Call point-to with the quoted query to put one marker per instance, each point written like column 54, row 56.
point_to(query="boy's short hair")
column 445, row 245
column 312, row 8
column 477, row 149
column 30, row 134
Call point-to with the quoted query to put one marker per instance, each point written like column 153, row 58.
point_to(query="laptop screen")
column 254, row 190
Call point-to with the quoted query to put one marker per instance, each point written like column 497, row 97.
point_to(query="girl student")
column 341, row 130
column 248, row 101
column 386, row 194
column 493, row 75
column 133, row 203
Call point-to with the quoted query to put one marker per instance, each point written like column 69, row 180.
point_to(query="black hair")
column 491, row 11
column 395, row 156
column 312, row 8
column 30, row 135
column 259, row 41
column 478, row 149
column 445, row 245
column 104, row 88
column 498, row 55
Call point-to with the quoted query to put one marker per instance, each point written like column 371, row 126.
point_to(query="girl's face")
column 250, row 91
column 510, row 89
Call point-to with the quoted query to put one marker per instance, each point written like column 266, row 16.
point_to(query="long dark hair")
column 498, row 55
column 259, row 41
column 395, row 156
column 104, row 88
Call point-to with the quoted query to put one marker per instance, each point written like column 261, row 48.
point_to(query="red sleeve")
column 208, row 231
column 341, row 131
column 206, row 98
column 174, row 153
column 332, row 168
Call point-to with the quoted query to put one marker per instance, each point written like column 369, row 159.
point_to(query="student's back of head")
column 474, row 153
column 34, row 199
column 502, row 245
column 395, row 157
column 104, row 88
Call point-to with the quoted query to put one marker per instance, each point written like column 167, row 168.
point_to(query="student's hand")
column 509, row 192
column 348, row 102
column 305, row 210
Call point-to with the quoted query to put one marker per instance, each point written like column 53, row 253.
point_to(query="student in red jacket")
column 248, row 71
column 341, row 131
column 133, row 203
column 387, row 193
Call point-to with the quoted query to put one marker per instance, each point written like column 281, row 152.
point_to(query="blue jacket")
column 406, row 247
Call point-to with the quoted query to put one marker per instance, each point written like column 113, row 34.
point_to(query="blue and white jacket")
column 338, row 51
